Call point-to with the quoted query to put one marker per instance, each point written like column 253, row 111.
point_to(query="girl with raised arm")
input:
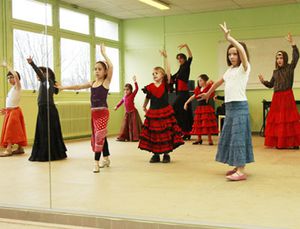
column 13, row 129
column 103, row 72
column 180, row 79
column 235, row 144
column 132, row 123
column 283, row 120
column 47, row 113
column 160, row 132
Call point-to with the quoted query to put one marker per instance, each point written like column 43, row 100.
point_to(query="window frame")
column 59, row 33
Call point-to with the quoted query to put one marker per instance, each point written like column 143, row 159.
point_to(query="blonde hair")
column 162, row 71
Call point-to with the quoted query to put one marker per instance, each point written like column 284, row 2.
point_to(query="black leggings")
column 105, row 151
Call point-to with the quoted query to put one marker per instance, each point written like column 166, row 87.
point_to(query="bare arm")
column 15, row 75
column 236, row 44
column 206, row 96
column 188, row 101
column 146, row 101
column 187, row 49
column 109, row 66
column 74, row 87
column 167, row 64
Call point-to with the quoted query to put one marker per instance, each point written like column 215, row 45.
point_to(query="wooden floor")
column 192, row 188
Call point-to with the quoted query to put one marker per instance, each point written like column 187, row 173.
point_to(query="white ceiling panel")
column 125, row 9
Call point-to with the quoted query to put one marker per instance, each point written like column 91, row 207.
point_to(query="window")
column 113, row 54
column 39, row 46
column 23, row 10
column 74, row 21
column 106, row 29
column 75, row 62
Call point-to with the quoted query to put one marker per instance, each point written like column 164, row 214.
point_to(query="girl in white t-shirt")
column 235, row 144
column 13, row 130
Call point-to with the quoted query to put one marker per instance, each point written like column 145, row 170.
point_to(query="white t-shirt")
column 236, row 79
column 13, row 97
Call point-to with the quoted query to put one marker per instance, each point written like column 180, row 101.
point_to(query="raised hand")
column 225, row 30
column 29, row 59
column 4, row 64
column 289, row 38
column 261, row 78
column 163, row 53
column 102, row 49
column 134, row 78
column 181, row 46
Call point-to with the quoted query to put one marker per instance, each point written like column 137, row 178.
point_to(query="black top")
column 283, row 77
column 183, row 72
column 99, row 96
column 158, row 96
column 42, row 96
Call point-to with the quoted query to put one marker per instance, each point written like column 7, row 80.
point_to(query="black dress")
column 184, row 117
column 40, row 149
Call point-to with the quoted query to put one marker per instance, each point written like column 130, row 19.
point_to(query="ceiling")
column 126, row 9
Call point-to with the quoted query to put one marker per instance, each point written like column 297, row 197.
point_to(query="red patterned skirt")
column 131, row 127
column 13, row 130
column 160, row 132
column 100, row 118
column 205, row 121
column 283, row 121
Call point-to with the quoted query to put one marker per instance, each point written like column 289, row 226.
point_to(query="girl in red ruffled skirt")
column 160, row 132
column 283, row 120
column 205, row 121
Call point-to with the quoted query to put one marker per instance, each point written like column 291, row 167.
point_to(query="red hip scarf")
column 99, row 128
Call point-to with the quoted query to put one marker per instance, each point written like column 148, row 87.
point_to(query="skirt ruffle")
column 235, row 143
column 131, row 127
column 160, row 132
column 205, row 121
column 283, row 121
column 13, row 130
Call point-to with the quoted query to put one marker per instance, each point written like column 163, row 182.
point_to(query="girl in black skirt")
column 181, row 78
column 40, row 151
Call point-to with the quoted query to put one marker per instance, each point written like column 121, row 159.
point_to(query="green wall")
column 144, row 37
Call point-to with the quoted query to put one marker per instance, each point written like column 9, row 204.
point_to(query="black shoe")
column 211, row 143
column 197, row 142
column 166, row 158
column 155, row 158
column 186, row 137
column 296, row 147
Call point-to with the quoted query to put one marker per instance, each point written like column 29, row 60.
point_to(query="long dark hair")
column 51, row 76
column 203, row 77
column 182, row 56
column 129, row 86
column 285, row 58
column 11, row 74
column 239, row 61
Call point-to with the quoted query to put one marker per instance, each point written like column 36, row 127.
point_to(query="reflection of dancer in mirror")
column 160, row 132
column 132, row 123
column 100, row 114
column 283, row 120
column 235, row 144
column 13, row 129
column 40, row 150
column 181, row 79
column 205, row 122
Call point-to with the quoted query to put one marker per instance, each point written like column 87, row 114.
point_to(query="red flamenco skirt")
column 283, row 121
column 160, row 132
column 13, row 130
column 205, row 121
column 100, row 118
column 131, row 127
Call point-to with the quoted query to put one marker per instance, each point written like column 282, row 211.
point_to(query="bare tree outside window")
column 75, row 62
column 39, row 46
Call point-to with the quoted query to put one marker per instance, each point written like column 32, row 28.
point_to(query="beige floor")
column 191, row 188
column 19, row 224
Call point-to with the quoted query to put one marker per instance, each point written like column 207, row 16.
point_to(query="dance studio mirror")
column 27, row 55
column 79, row 63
